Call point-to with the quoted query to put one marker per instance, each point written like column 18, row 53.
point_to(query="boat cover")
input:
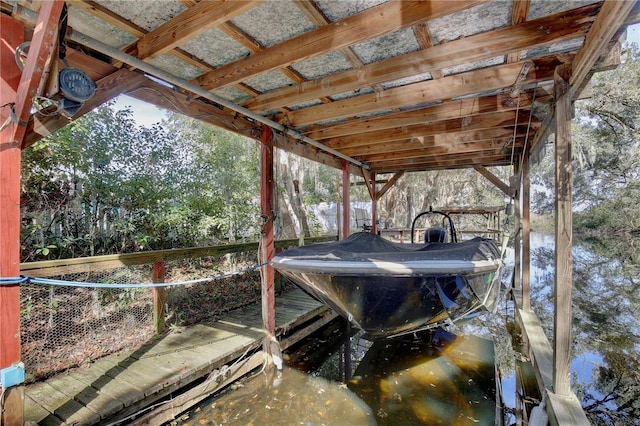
column 365, row 252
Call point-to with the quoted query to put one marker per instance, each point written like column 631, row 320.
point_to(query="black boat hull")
column 394, row 289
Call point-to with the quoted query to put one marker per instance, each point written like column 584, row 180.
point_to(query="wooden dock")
column 118, row 386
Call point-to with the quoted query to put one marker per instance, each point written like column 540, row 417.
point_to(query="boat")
column 388, row 289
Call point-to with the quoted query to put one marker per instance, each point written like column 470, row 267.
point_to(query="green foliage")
column 606, row 154
column 105, row 185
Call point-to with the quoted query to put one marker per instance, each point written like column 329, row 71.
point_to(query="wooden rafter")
column 464, row 84
column 129, row 27
column 445, row 111
column 485, row 121
column 500, row 136
column 518, row 16
column 413, row 149
column 108, row 88
column 372, row 22
column 611, row 16
column 189, row 24
column 474, row 48
column 449, row 163
column 441, row 152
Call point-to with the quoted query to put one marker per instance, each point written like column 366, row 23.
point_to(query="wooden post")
column 526, row 234
column 564, row 218
column 374, row 204
column 159, row 298
column 517, row 239
column 346, row 202
column 16, row 93
column 267, row 249
column 11, row 402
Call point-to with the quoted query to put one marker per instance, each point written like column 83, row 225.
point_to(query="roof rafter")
column 189, row 24
column 445, row 111
column 458, row 85
column 372, row 22
column 474, row 48
column 494, row 135
column 503, row 119
column 452, row 161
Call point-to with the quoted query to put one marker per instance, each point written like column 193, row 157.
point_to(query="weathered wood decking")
column 122, row 384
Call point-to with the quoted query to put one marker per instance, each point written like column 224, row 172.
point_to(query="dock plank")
column 124, row 382
column 37, row 413
column 540, row 350
column 59, row 404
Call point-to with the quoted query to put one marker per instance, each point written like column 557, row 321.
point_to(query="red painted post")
column 267, row 249
column 346, row 202
column 374, row 204
column 12, row 32
column 11, row 402
column 16, row 93
column 159, row 298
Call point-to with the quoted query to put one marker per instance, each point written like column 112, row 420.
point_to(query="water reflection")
column 287, row 397
column 606, row 323
column 447, row 381
column 431, row 378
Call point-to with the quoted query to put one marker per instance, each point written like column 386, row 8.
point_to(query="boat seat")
column 435, row 235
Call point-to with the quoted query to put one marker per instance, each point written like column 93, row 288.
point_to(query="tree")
column 224, row 181
column 83, row 186
column 104, row 185
column 606, row 154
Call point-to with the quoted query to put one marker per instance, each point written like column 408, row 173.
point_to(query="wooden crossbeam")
column 445, row 111
column 463, row 84
column 555, row 28
column 464, row 124
column 493, row 137
column 495, row 180
column 611, row 16
column 372, row 22
column 189, row 24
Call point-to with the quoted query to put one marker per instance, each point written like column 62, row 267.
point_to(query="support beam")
column 390, row 183
column 517, row 237
column 607, row 23
column 109, row 87
column 370, row 182
column 525, row 194
column 346, row 201
column 11, row 35
column 44, row 36
column 494, row 180
column 159, row 298
column 16, row 95
column 374, row 204
column 267, row 249
column 563, row 227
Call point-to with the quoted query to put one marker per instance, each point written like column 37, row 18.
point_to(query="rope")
column 515, row 132
column 526, row 139
column 46, row 281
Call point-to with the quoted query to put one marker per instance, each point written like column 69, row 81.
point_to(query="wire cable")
column 63, row 283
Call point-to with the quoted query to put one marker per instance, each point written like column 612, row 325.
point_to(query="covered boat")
column 388, row 288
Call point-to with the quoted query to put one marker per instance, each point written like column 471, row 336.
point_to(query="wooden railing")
column 50, row 268
column 158, row 258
